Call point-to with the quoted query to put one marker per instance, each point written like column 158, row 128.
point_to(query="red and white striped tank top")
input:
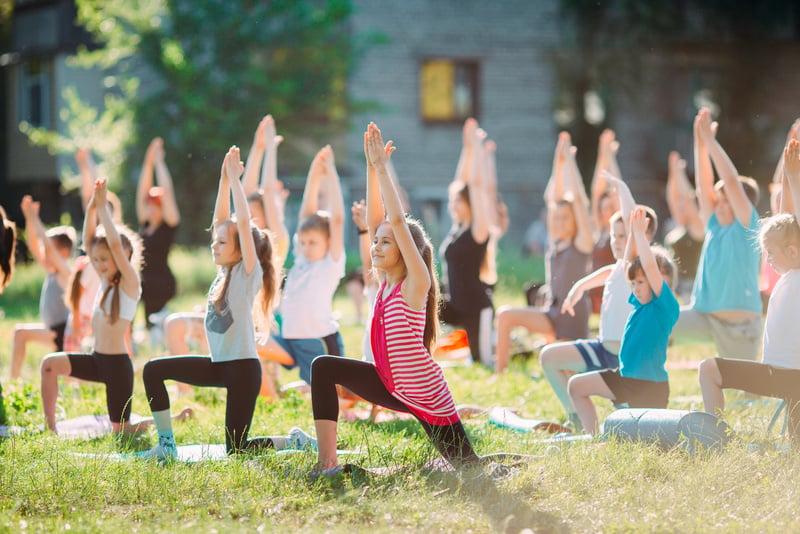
column 404, row 364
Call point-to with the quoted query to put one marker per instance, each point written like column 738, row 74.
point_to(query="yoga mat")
column 505, row 418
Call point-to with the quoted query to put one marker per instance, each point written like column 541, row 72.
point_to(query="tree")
column 201, row 74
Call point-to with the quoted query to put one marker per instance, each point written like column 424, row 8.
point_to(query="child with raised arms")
column 243, row 255
column 778, row 373
column 561, row 360
column 308, row 326
column 115, row 255
column 404, row 376
column 641, row 380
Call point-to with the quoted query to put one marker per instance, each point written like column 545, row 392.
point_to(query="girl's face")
column 153, row 213
column 459, row 208
column 103, row 261
column 619, row 239
column 313, row 244
column 563, row 221
column 384, row 251
column 641, row 288
column 781, row 255
column 225, row 246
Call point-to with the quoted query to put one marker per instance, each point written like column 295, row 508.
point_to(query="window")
column 448, row 90
column 34, row 92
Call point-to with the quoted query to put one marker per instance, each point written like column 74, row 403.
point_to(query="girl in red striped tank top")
column 403, row 377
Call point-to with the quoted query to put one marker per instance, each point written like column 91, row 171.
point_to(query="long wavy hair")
column 425, row 248
column 8, row 243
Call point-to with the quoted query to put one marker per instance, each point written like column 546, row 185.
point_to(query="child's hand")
column 267, row 136
column 574, row 295
column 155, row 151
column 328, row 160
column 639, row 220
column 563, row 146
column 378, row 154
column 704, row 128
column 100, row 193
column 232, row 166
column 676, row 163
column 608, row 143
column 470, row 125
column 791, row 162
column 82, row 157
column 30, row 209
column 359, row 212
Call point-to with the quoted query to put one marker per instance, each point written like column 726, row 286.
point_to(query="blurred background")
column 111, row 75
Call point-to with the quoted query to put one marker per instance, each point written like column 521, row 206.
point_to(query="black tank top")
column 462, row 258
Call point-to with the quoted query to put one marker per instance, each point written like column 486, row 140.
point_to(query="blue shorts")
column 596, row 356
column 305, row 350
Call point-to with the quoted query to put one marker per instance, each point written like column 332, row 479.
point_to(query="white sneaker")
column 299, row 440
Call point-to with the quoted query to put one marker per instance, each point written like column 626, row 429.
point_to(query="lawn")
column 590, row 487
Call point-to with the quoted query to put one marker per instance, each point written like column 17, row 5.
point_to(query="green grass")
column 612, row 487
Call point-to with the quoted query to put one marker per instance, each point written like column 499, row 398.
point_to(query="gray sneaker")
column 299, row 440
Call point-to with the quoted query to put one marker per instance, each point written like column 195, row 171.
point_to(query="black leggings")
column 471, row 323
column 242, row 379
column 362, row 379
column 113, row 370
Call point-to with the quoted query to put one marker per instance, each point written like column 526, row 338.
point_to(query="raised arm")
column 336, row 204
column 271, row 191
column 222, row 206
column 790, row 199
column 649, row 264
column 681, row 198
column 607, row 147
column 88, row 173
column 316, row 173
column 742, row 208
column 703, row 173
column 464, row 157
column 418, row 281
column 146, row 178
column 255, row 156
column 475, row 177
column 498, row 211
column 129, row 276
column 169, row 205
column 583, row 236
column 232, row 168
column 375, row 211
column 359, row 213
column 626, row 202
column 36, row 245
column 555, row 185
column 777, row 176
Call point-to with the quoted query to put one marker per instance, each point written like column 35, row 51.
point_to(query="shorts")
column 741, row 341
column 759, row 378
column 305, row 350
column 636, row 393
column 566, row 326
column 58, row 330
column 595, row 355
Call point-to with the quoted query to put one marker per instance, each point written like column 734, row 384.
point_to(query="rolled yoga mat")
column 688, row 430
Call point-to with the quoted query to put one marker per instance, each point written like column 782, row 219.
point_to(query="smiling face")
column 384, row 251
column 225, row 246
column 103, row 261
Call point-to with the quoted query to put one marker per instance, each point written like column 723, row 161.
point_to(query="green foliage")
column 201, row 74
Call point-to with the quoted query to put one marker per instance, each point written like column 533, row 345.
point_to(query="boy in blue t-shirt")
column 641, row 380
